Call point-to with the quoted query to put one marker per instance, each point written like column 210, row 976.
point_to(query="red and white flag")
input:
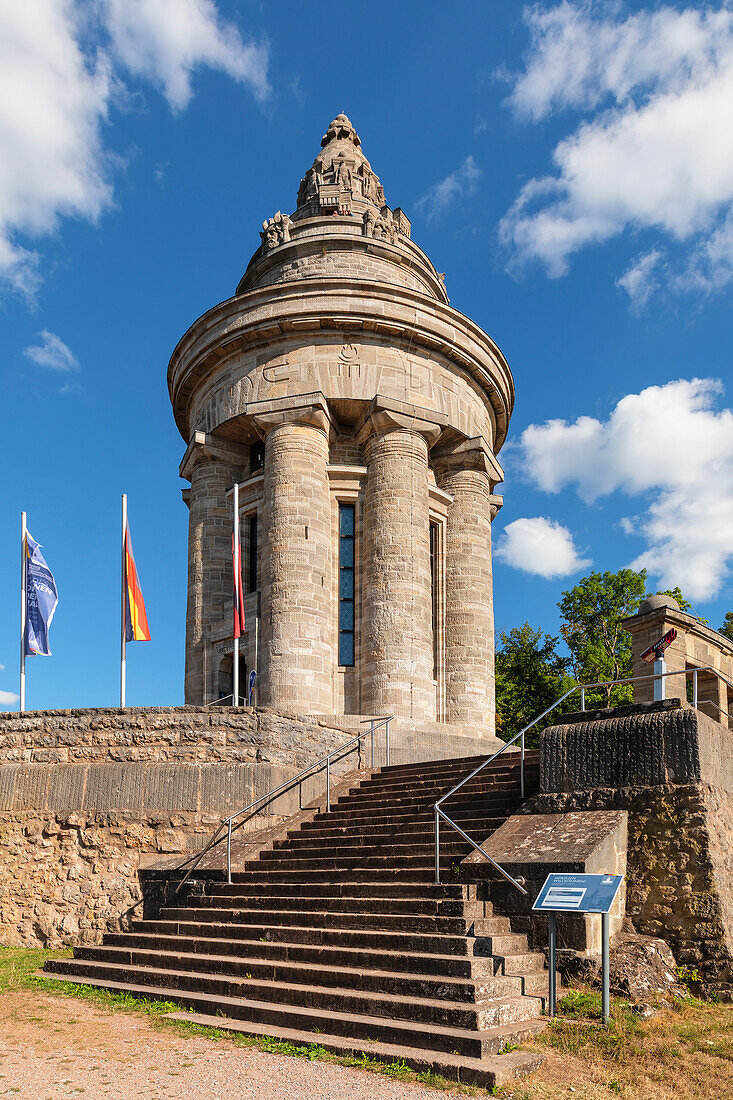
column 238, row 589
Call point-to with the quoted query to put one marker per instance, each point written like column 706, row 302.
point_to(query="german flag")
column 136, row 619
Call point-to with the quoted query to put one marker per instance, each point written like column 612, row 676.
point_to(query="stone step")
column 447, row 907
column 466, row 764
column 201, row 922
column 473, row 991
column 398, row 812
column 356, row 889
column 311, row 918
column 462, row 798
column 225, row 940
column 421, row 827
column 339, row 929
column 485, row 781
column 490, row 1072
column 194, row 938
column 258, row 873
column 353, row 1018
column 423, row 862
column 345, row 850
column 514, row 962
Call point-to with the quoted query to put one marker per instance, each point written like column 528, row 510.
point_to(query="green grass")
column 19, row 971
column 683, row 1052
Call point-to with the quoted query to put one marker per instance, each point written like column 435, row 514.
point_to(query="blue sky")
column 570, row 168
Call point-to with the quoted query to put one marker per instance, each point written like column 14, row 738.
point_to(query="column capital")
column 386, row 414
column 309, row 409
column 203, row 447
column 468, row 454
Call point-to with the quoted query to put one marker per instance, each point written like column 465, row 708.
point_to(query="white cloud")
column 53, row 100
column 538, row 545
column 163, row 41
column 459, row 184
column 669, row 444
column 656, row 152
column 57, row 85
column 641, row 279
column 8, row 699
column 52, row 353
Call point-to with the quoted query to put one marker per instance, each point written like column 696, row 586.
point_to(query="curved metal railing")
column 582, row 688
column 227, row 825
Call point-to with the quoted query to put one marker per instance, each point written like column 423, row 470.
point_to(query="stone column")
column 297, row 659
column 465, row 474
column 212, row 470
column 396, row 639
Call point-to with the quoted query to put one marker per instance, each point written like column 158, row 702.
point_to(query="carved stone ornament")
column 275, row 231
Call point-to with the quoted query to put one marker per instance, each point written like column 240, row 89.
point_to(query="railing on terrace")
column 519, row 737
column 318, row 766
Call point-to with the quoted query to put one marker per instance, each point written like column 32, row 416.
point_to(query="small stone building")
column 696, row 647
column 361, row 416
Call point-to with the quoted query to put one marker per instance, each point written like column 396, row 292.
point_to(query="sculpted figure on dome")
column 343, row 175
column 275, row 231
column 370, row 218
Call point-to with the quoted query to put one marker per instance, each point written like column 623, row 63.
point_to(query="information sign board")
column 566, row 893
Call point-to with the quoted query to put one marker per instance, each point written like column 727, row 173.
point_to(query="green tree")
column 727, row 627
column 530, row 676
column 600, row 649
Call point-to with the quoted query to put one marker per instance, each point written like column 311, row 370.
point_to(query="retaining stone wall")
column 88, row 798
column 669, row 766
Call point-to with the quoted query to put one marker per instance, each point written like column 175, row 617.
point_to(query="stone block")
column 532, row 846
column 171, row 788
column 31, row 787
column 226, row 788
column 66, row 788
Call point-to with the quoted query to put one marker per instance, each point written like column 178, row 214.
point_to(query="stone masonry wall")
column 669, row 766
column 89, row 798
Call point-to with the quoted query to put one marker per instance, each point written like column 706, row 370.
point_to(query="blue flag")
column 41, row 599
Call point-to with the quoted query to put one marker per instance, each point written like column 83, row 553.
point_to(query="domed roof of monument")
column 654, row 603
column 340, row 177
column 340, row 140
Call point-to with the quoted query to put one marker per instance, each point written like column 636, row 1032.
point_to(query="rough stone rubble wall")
column 88, row 798
column 670, row 768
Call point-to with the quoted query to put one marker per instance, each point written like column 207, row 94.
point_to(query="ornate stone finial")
column 341, row 128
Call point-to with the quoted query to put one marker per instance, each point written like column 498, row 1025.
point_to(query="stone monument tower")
column 361, row 416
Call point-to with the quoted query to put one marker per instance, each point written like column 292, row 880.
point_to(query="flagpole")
column 237, row 613
column 23, row 603
column 123, row 615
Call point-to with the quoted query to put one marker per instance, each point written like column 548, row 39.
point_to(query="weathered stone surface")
column 671, row 769
column 142, row 785
column 532, row 846
column 650, row 746
column 340, row 313
column 641, row 967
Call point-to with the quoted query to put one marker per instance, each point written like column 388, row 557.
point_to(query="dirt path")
column 55, row 1048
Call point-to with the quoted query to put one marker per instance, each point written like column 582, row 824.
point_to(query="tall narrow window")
column 256, row 456
column 434, row 593
column 252, row 554
column 346, row 584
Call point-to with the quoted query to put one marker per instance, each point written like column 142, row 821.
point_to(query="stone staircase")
column 338, row 935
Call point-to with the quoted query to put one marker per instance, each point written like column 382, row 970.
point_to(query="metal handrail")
column 582, row 688
column 219, row 702
column 265, row 799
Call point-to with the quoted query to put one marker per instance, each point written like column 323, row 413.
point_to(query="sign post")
column 562, row 893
